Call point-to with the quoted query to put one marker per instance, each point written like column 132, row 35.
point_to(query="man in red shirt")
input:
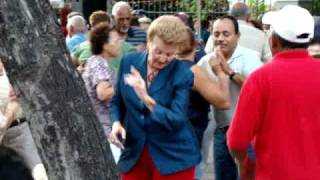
column 278, row 109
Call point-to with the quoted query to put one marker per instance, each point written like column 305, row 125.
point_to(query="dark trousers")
column 225, row 167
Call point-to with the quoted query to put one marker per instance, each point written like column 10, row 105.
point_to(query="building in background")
column 278, row 4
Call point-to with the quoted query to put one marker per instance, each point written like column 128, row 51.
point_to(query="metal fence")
column 155, row 8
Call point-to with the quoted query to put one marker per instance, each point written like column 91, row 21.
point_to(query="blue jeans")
column 225, row 167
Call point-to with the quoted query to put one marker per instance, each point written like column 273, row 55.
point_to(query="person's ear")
column 275, row 44
column 71, row 30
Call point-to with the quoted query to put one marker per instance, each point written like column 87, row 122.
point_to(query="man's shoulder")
column 250, row 27
column 136, row 36
column 247, row 58
column 246, row 52
column 246, row 28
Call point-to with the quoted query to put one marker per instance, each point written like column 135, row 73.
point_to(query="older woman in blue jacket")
column 149, row 109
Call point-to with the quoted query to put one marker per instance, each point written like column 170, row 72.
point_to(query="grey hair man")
column 251, row 37
column 76, row 27
column 122, row 14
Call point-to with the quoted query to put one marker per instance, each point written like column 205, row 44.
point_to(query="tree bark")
column 69, row 138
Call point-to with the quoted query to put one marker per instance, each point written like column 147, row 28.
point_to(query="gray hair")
column 118, row 5
column 239, row 10
column 77, row 22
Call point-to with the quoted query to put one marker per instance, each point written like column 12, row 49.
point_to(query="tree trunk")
column 69, row 138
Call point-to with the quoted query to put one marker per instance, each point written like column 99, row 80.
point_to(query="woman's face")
column 160, row 53
column 112, row 48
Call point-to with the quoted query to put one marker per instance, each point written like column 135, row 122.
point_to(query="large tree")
column 68, row 136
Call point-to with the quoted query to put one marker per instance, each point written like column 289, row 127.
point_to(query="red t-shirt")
column 279, row 112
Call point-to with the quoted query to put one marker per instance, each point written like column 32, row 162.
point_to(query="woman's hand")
column 116, row 132
column 135, row 80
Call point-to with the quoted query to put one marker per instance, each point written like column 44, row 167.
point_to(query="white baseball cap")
column 267, row 17
column 293, row 23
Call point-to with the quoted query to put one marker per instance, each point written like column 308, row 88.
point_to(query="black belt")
column 17, row 122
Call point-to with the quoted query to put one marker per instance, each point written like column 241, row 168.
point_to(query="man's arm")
column 216, row 92
column 247, row 121
column 245, row 165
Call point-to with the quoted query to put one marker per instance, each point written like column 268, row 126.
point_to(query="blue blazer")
column 166, row 132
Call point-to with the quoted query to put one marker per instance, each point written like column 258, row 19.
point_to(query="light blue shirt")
column 243, row 61
column 75, row 40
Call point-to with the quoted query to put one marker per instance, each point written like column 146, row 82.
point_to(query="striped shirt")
column 136, row 36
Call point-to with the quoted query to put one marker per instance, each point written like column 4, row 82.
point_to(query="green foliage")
column 209, row 8
column 258, row 8
column 316, row 7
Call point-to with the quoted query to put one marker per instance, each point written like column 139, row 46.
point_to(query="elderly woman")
column 149, row 109
column 98, row 75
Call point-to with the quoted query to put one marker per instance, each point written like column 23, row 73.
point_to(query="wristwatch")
column 232, row 74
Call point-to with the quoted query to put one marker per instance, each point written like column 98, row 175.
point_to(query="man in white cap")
column 278, row 108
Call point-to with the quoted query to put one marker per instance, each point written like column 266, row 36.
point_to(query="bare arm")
column 215, row 92
column 104, row 91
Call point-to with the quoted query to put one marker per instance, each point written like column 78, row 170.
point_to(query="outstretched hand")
column 135, row 80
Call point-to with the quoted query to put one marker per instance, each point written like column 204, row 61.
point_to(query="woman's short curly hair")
column 99, row 17
column 168, row 28
column 98, row 36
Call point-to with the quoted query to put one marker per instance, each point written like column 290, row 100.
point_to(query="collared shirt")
column 243, row 61
column 136, row 36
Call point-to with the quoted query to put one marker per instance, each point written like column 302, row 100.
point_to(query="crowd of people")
column 154, row 83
